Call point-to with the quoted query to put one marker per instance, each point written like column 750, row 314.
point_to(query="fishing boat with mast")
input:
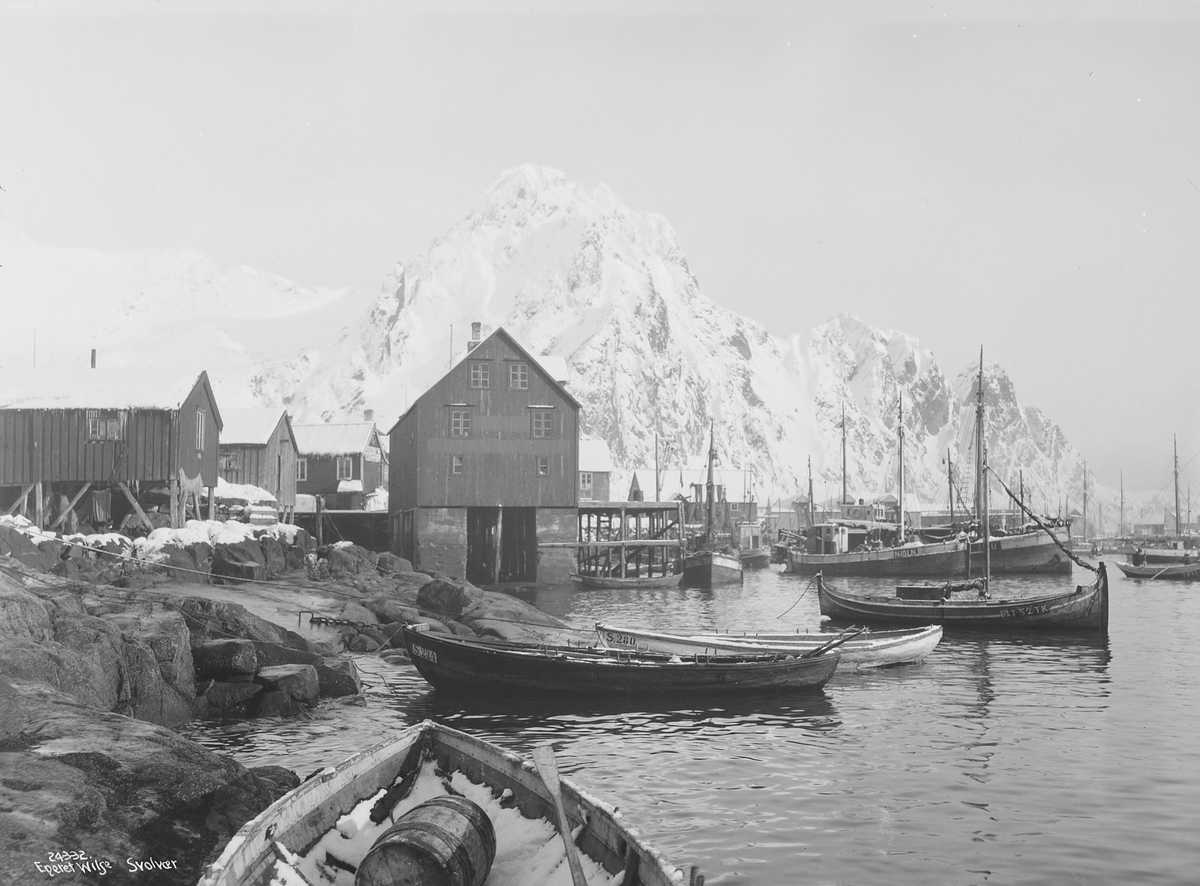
column 847, row 547
column 1176, row 549
column 707, row 567
column 1083, row 608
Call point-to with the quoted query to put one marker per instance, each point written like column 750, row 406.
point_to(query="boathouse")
column 259, row 448
column 343, row 462
column 96, row 446
column 485, row 469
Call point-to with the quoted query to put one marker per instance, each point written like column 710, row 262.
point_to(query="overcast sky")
column 993, row 174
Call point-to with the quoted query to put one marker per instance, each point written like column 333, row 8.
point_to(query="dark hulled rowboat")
column 1169, row 571
column 472, row 666
column 299, row 833
column 1083, row 609
column 614, row 581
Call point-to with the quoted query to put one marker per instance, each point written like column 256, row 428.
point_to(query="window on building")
column 585, row 481
column 230, row 463
column 302, row 469
column 456, row 464
column 345, row 467
column 735, row 506
column 542, row 423
column 383, row 476
column 518, row 376
column 199, row 430
column 460, row 423
column 481, row 375
column 543, row 466
column 103, row 424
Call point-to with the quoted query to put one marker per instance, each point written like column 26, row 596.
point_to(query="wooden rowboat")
column 468, row 666
column 1171, row 571
column 320, row 832
column 613, row 581
column 1083, row 609
column 870, row 649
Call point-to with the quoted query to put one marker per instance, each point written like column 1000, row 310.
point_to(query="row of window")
column 518, row 375
column 109, row 424
column 541, row 465
column 541, row 423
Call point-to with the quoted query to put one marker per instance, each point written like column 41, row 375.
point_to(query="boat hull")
column 609, row 582
column 1163, row 571
column 302, row 816
column 466, row 666
column 706, row 569
column 872, row 650
column 759, row 559
column 1028, row 553
column 1084, row 609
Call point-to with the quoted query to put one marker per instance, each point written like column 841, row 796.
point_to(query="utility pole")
column 657, row 475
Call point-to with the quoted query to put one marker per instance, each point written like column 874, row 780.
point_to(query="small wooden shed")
column 67, row 434
column 258, row 447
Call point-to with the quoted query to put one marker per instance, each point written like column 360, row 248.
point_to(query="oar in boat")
column 1160, row 572
column 543, row 759
column 848, row 634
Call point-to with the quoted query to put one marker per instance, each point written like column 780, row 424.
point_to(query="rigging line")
column 1053, row 537
column 807, row 588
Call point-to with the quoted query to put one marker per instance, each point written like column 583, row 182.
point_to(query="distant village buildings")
column 595, row 471
column 343, row 462
column 258, row 448
column 106, row 447
column 485, row 469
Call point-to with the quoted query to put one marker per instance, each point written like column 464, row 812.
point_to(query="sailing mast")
column 708, row 486
column 1175, row 439
column 950, row 485
column 811, row 511
column 980, row 481
column 1121, row 531
column 1085, row 479
column 900, row 502
column 843, row 453
column 657, row 476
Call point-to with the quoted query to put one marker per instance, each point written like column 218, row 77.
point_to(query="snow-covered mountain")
column 574, row 273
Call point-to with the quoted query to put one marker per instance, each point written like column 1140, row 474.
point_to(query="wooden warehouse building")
column 95, row 444
column 343, row 462
column 484, row 469
column 259, row 448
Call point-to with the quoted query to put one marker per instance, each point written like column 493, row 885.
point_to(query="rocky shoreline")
column 107, row 643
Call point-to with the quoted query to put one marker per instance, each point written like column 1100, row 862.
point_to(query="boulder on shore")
column 225, row 659
column 297, row 681
column 118, row 788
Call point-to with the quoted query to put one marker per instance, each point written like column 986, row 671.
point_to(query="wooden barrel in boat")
column 446, row 841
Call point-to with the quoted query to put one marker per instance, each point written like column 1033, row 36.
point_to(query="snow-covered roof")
column 242, row 491
column 595, row 456
column 57, row 388
column 253, row 424
column 334, row 439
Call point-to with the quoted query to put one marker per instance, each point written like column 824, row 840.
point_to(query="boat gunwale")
column 248, row 858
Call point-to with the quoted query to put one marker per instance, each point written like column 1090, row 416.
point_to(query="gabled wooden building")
column 258, row 447
column 67, row 435
column 342, row 462
column 485, row 470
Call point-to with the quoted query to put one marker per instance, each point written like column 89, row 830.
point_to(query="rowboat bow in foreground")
column 322, row 831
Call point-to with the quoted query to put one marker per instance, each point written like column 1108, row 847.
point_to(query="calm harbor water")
column 998, row 760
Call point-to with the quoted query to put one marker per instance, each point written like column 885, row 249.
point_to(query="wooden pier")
column 630, row 539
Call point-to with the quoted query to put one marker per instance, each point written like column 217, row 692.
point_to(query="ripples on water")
column 999, row 760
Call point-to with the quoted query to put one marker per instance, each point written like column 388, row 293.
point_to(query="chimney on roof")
column 93, row 358
column 476, row 335
column 368, row 415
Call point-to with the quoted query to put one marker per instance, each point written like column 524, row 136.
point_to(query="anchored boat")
column 1168, row 571
column 867, row 649
column 472, row 666
column 469, row 806
column 1084, row 608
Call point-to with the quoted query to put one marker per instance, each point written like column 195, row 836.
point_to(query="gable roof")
column 552, row 367
column 595, row 456
column 254, row 425
column 59, row 388
column 336, row 439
